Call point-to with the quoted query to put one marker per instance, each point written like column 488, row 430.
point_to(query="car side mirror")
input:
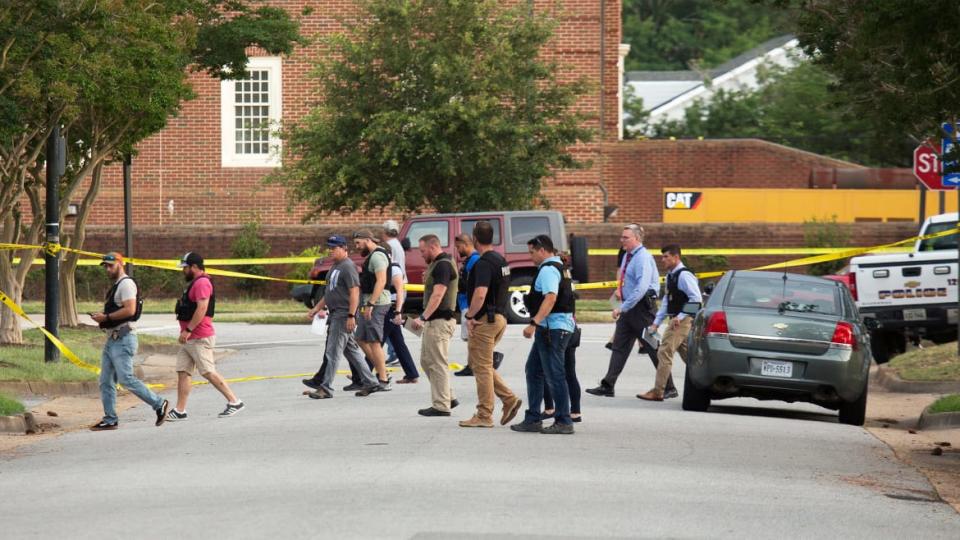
column 691, row 308
column 872, row 323
column 405, row 243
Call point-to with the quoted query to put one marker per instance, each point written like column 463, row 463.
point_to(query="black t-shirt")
column 442, row 273
column 484, row 274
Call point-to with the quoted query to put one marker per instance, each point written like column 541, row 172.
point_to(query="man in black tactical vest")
column 438, row 321
column 682, row 288
column 195, row 311
column 121, row 306
column 374, row 305
column 488, row 290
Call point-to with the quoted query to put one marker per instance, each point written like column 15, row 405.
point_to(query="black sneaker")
column 162, row 412
column 394, row 362
column 557, row 429
column 103, row 426
column 454, row 403
column 602, row 390
column 352, row 387
column 319, row 393
column 465, row 372
column 609, row 345
column 430, row 411
column 176, row 416
column 527, row 427
column 231, row 410
column 366, row 391
column 310, row 383
column 670, row 393
column 497, row 359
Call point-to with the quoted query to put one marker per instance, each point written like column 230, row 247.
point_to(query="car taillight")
column 852, row 285
column 843, row 336
column 717, row 324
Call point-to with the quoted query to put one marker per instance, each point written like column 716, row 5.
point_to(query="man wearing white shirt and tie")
column 682, row 288
column 639, row 281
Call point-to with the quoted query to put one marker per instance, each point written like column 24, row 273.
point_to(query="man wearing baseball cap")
column 195, row 311
column 120, row 308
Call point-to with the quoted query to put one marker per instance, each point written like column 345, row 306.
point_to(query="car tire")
column 886, row 345
column 694, row 399
column 516, row 311
column 579, row 269
column 854, row 413
column 316, row 294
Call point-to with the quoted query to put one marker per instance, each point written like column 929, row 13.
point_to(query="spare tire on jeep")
column 579, row 269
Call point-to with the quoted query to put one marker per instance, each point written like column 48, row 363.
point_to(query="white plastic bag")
column 319, row 325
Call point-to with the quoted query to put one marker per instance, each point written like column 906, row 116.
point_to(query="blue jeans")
column 116, row 366
column 545, row 366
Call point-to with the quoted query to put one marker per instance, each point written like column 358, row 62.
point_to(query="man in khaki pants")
column 438, row 321
column 488, row 288
column 682, row 287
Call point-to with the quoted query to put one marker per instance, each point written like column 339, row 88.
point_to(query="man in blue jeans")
column 120, row 308
column 551, row 302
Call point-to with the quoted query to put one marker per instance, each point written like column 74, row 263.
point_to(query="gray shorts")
column 371, row 331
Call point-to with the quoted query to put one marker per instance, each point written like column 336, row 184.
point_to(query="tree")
column 802, row 107
column 110, row 73
column 681, row 34
column 447, row 105
column 898, row 57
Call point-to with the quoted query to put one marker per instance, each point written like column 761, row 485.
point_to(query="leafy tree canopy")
column 448, row 105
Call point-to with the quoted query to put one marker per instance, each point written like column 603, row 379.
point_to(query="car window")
column 794, row 296
column 466, row 227
column 419, row 229
column 944, row 242
column 523, row 229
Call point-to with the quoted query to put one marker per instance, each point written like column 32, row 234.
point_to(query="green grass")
column 10, row 406
column 165, row 306
column 264, row 318
column 938, row 363
column 946, row 404
column 25, row 362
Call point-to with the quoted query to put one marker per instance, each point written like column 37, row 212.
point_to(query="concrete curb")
column 889, row 379
column 929, row 420
column 44, row 388
column 21, row 423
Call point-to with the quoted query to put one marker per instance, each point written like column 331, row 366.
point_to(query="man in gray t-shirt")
column 342, row 298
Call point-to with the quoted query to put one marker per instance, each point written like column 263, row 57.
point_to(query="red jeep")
column 511, row 232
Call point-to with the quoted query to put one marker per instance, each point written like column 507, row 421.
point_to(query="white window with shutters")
column 250, row 112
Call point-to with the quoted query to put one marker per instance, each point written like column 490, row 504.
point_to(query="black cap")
column 191, row 258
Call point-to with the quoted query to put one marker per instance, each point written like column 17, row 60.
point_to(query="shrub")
column 249, row 245
column 825, row 233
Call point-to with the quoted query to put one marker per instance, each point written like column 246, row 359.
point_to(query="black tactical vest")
column 110, row 306
column 675, row 297
column 186, row 308
column 498, row 293
column 368, row 278
column 566, row 303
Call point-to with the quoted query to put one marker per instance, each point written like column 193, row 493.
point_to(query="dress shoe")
column 558, row 429
column 670, row 393
column 407, row 381
column 602, row 390
column 454, row 403
column 652, row 395
column 609, row 346
column 527, row 427
column 352, row 387
column 497, row 359
column 465, row 372
column 510, row 411
column 577, row 418
column 430, row 411
column 476, row 422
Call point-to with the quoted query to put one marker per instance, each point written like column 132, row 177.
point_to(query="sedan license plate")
column 914, row 314
column 776, row 368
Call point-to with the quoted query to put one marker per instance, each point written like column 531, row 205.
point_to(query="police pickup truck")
column 909, row 295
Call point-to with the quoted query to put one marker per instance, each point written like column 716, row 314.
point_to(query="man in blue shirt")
column 639, row 282
column 682, row 288
column 551, row 304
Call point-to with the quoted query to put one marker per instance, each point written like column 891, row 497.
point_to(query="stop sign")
column 926, row 167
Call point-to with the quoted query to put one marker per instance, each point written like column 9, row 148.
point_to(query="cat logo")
column 681, row 200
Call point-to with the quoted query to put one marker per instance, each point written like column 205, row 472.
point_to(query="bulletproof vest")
column 566, row 301
column 186, row 307
column 675, row 297
column 464, row 276
column 368, row 278
column 111, row 306
column 449, row 303
column 498, row 293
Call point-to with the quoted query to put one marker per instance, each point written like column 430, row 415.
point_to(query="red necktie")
column 623, row 272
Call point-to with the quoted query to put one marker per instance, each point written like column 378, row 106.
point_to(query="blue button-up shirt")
column 639, row 276
column 689, row 284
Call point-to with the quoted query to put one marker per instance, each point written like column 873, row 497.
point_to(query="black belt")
column 119, row 332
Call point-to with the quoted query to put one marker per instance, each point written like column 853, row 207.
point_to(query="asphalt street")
column 292, row 467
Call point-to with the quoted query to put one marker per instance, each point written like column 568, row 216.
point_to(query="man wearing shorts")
column 374, row 304
column 195, row 311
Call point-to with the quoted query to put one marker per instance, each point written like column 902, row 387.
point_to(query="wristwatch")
column 351, row 316
column 189, row 330
column 368, row 304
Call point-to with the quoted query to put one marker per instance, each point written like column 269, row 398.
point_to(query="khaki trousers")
column 434, row 351
column 674, row 340
column 483, row 339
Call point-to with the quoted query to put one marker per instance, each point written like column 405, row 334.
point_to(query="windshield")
column 772, row 293
column 944, row 242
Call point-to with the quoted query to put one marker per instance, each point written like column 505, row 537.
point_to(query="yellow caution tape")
column 754, row 251
column 53, row 339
